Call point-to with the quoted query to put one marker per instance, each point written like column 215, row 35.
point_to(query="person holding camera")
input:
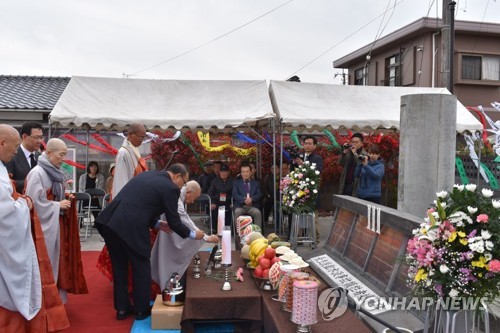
column 349, row 160
column 370, row 171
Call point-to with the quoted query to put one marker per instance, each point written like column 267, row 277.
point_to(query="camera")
column 362, row 157
column 293, row 151
column 347, row 146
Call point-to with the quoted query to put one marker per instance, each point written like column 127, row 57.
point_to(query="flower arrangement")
column 455, row 253
column 300, row 189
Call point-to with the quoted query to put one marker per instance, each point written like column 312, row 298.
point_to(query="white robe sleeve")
column 20, row 282
column 125, row 165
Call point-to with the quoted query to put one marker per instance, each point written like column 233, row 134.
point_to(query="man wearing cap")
column 206, row 177
column 220, row 193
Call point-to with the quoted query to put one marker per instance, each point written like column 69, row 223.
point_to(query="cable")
column 211, row 41
column 343, row 40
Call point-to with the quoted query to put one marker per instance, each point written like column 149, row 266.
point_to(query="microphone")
column 175, row 152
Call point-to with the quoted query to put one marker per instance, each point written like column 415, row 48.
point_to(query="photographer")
column 349, row 160
column 370, row 171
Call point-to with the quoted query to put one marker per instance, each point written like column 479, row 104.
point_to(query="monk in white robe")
column 172, row 253
column 129, row 162
column 20, row 283
column 57, row 217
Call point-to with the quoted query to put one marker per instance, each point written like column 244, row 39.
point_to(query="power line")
column 343, row 40
column 209, row 42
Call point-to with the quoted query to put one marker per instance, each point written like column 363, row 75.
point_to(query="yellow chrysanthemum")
column 453, row 236
column 463, row 241
column 421, row 275
column 481, row 263
column 461, row 234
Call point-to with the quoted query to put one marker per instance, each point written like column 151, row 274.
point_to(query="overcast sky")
column 107, row 38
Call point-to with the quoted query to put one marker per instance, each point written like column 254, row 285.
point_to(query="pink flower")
column 495, row 265
column 430, row 210
column 69, row 181
column 300, row 175
column 482, row 218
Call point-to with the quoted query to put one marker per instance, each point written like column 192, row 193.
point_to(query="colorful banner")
column 461, row 171
column 205, row 142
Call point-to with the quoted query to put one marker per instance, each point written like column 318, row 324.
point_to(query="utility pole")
column 343, row 76
column 447, row 47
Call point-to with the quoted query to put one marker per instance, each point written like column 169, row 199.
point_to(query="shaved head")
column 192, row 190
column 136, row 134
column 55, row 144
column 9, row 142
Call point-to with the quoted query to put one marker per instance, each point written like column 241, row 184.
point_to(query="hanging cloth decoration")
column 332, row 139
column 186, row 142
column 461, row 171
column 294, row 136
column 90, row 145
column 103, row 142
column 205, row 142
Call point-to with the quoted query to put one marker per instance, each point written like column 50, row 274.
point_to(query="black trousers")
column 121, row 256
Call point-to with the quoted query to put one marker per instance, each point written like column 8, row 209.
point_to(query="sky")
column 204, row 39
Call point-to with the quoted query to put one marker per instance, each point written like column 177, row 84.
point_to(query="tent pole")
column 273, row 174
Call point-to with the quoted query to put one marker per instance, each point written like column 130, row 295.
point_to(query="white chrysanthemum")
column 315, row 191
column 485, row 234
column 313, row 182
column 472, row 210
column 444, row 204
column 313, row 166
column 487, row 256
column 487, row 193
column 470, row 187
column 444, row 269
column 495, row 203
column 435, row 214
column 453, row 293
column 459, row 187
column 316, row 172
column 435, row 202
column 431, row 272
column 489, row 245
column 442, row 194
column 459, row 217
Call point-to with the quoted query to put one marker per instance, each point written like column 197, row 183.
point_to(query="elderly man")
column 246, row 196
column 129, row 162
column 20, row 284
column 29, row 302
column 27, row 154
column 172, row 253
column 125, row 224
column 58, row 218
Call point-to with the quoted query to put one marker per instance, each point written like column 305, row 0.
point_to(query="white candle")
column 226, row 247
column 221, row 220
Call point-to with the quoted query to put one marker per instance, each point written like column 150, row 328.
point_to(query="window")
column 393, row 71
column 359, row 77
column 479, row 67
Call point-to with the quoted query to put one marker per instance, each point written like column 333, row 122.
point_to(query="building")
column 411, row 56
column 29, row 98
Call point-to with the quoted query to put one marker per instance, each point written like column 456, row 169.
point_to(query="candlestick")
column 227, row 285
column 226, row 246
column 221, row 220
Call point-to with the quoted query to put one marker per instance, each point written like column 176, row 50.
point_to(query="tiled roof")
column 31, row 92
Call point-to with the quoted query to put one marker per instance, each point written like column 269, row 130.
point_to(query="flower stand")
column 303, row 230
column 456, row 321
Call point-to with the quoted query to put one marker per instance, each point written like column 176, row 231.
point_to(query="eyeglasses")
column 36, row 137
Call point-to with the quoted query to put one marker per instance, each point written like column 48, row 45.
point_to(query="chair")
column 99, row 194
column 201, row 209
column 105, row 200
column 84, row 213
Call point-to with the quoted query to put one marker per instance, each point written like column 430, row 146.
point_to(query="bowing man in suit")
column 247, row 195
column 27, row 154
column 124, row 224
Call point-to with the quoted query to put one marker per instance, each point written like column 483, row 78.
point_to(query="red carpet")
column 94, row 312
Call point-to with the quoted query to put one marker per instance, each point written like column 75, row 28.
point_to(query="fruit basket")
column 262, row 283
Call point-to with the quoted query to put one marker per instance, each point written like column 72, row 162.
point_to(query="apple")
column 270, row 253
column 258, row 271
column 264, row 263
column 265, row 273
column 275, row 260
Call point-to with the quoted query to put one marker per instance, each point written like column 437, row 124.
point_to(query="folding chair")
column 105, row 200
column 99, row 194
column 201, row 209
column 84, row 214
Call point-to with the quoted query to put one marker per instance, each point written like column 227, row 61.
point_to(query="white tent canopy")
column 112, row 103
column 316, row 106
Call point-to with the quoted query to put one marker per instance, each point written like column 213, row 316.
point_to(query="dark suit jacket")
column 19, row 168
column 313, row 158
column 240, row 193
column 138, row 206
